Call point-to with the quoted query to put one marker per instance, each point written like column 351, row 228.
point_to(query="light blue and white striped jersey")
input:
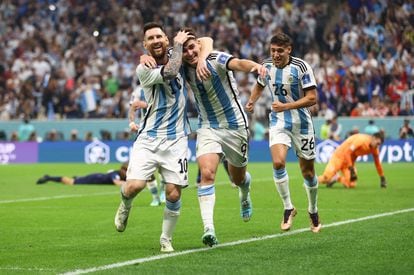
column 138, row 94
column 288, row 85
column 217, row 99
column 166, row 114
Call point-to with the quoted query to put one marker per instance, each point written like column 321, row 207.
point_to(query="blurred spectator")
column 74, row 135
column 324, row 132
column 371, row 128
column 14, row 136
column 407, row 111
column 406, row 131
column 89, row 136
column 25, row 130
column 52, row 67
column 335, row 129
column 355, row 130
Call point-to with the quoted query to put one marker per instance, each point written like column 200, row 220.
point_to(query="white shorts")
column 233, row 144
column 168, row 156
column 304, row 144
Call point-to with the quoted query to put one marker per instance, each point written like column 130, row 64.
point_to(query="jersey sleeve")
column 307, row 78
column 222, row 60
column 375, row 155
column 148, row 77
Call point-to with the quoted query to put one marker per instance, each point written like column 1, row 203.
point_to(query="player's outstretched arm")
column 256, row 93
column 247, row 66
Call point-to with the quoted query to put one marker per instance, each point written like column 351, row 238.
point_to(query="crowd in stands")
column 77, row 59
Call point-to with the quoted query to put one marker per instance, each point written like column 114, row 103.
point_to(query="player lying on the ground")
column 343, row 160
column 116, row 177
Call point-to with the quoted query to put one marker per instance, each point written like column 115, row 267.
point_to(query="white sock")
column 153, row 188
column 281, row 179
column 127, row 201
column 171, row 214
column 244, row 189
column 312, row 192
column 207, row 200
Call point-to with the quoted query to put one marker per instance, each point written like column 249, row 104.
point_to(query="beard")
column 158, row 52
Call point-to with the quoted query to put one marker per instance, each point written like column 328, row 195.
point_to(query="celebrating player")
column 344, row 156
column 162, row 137
column 223, row 128
column 293, row 88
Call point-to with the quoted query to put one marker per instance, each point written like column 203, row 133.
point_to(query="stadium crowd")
column 77, row 59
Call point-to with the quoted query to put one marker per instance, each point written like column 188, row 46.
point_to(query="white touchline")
column 86, row 195
column 57, row 197
column 190, row 251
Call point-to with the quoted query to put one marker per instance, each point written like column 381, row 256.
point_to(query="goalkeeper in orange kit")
column 343, row 159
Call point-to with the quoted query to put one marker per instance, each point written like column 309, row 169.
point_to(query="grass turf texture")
column 52, row 228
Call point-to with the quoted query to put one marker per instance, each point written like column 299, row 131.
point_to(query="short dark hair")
column 380, row 135
column 190, row 32
column 152, row 25
column 281, row 39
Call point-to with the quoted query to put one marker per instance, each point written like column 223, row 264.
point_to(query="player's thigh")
column 173, row 162
column 279, row 142
column 304, row 145
column 142, row 161
column 235, row 144
column 207, row 142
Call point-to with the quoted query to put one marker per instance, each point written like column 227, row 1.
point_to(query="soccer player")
column 292, row 86
column 223, row 128
column 138, row 104
column 162, row 137
column 116, row 177
column 344, row 156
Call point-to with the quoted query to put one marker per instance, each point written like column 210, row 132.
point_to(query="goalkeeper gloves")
column 353, row 174
column 383, row 182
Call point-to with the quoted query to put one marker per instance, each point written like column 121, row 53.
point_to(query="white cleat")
column 166, row 245
column 121, row 217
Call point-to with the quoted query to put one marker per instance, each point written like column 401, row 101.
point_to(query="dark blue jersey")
column 99, row 178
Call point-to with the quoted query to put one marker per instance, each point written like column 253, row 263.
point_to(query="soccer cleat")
column 209, row 238
column 288, row 219
column 315, row 222
column 155, row 202
column 121, row 217
column 162, row 197
column 43, row 179
column 246, row 209
column 166, row 245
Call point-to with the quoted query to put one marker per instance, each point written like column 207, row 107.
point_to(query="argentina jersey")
column 289, row 84
column 166, row 114
column 217, row 99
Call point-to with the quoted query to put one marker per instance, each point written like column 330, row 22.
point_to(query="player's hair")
column 190, row 32
column 152, row 25
column 380, row 135
column 281, row 39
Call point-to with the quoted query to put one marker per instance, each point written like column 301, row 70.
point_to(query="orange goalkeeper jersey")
column 358, row 145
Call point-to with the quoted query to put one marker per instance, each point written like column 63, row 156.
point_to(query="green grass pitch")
column 52, row 228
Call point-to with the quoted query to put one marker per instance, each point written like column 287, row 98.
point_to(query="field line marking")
column 58, row 197
column 95, row 194
column 190, row 251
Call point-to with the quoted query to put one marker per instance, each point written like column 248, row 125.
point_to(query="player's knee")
column 207, row 175
column 173, row 195
column 279, row 164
